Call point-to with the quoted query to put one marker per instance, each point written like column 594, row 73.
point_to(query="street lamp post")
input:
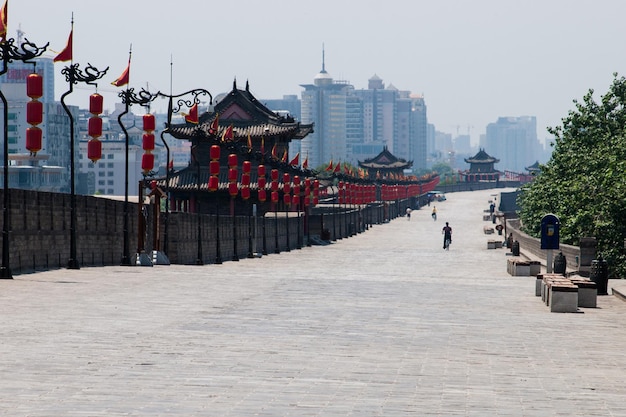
column 129, row 97
column 11, row 52
column 74, row 75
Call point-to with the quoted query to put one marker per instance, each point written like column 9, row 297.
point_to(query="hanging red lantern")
column 232, row 189
column 34, row 86
column 96, row 102
column 147, row 162
column 262, row 196
column 261, row 170
column 33, row 139
column 261, row 181
column 34, row 112
column 286, row 177
column 274, row 175
column 296, row 180
column 214, row 168
column 232, row 160
column 245, row 179
column 213, row 183
column 94, row 150
column 246, row 166
column 148, row 142
column 95, row 127
column 295, row 199
column 274, row 186
column 274, row 196
column 286, row 188
column 245, row 193
column 287, row 199
column 232, row 175
column 149, row 122
column 214, row 153
column 307, row 182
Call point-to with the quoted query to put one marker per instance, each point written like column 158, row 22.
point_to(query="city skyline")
column 472, row 62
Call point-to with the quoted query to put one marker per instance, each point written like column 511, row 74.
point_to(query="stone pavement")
column 386, row 323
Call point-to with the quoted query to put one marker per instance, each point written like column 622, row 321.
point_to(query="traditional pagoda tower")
column 237, row 120
column 481, row 168
column 385, row 165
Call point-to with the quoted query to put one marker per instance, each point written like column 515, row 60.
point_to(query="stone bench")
column 565, row 295
column 517, row 267
column 494, row 244
column 488, row 230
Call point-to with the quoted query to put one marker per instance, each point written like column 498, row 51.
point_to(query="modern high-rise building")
column 513, row 140
column 352, row 125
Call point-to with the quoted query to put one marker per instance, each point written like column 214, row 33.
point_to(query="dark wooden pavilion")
column 245, row 127
column 481, row 168
column 385, row 165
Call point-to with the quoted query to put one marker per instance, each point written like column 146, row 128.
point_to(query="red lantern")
column 274, row 175
column 34, row 112
column 274, row 186
column 95, row 127
column 286, row 178
column 34, row 85
column 214, row 168
column 96, row 104
column 295, row 200
column 213, row 183
column 33, row 139
column 261, row 170
column 262, row 196
column 287, row 199
column 274, row 196
column 232, row 175
column 296, row 180
column 245, row 193
column 94, row 150
column 215, row 152
column 307, row 182
column 147, row 162
column 148, row 141
column 245, row 179
column 232, row 189
column 286, row 188
column 149, row 122
column 246, row 166
column 232, row 160
column 261, row 182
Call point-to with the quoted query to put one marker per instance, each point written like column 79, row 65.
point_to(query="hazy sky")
column 472, row 60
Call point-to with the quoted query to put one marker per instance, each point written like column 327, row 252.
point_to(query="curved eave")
column 242, row 131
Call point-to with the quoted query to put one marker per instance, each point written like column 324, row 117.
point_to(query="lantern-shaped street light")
column 10, row 52
column 34, row 113
column 214, row 172
column 94, row 128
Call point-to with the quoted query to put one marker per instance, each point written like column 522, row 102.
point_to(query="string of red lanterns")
column 34, row 113
column 147, row 160
column 214, row 167
column 94, row 146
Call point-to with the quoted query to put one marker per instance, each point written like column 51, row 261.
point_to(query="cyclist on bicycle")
column 447, row 235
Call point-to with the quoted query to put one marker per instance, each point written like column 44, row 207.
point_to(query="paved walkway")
column 383, row 324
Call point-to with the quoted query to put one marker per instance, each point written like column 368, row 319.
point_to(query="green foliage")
column 584, row 183
column 442, row 168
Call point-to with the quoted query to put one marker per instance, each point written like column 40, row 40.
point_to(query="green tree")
column 584, row 183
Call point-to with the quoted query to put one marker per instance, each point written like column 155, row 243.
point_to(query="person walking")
column 408, row 213
column 447, row 235
column 434, row 214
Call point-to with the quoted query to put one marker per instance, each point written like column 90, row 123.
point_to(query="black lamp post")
column 11, row 52
column 129, row 97
column 171, row 109
column 74, row 75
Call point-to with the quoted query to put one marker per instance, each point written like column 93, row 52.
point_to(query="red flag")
column 228, row 134
column 215, row 125
column 346, row 169
column 192, row 117
column 4, row 20
column 305, row 164
column 274, row 152
column 337, row 168
column 66, row 54
column 295, row 160
column 170, row 166
column 330, row 166
column 124, row 78
column 284, row 158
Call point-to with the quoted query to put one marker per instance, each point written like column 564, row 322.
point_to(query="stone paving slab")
column 383, row 324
